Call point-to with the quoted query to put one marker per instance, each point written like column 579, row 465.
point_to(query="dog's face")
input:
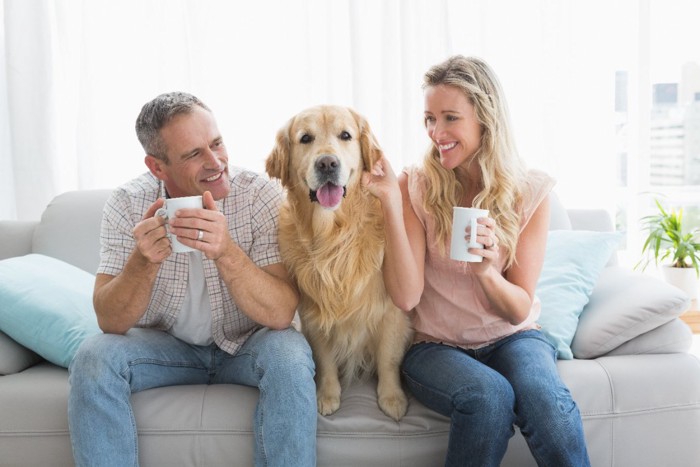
column 322, row 151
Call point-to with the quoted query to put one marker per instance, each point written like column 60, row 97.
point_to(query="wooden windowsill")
column 692, row 317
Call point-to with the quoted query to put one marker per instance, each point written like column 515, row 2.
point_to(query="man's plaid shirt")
column 252, row 209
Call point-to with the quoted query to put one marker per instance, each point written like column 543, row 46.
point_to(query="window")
column 657, row 114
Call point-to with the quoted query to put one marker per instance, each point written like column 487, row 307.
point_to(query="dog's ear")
column 371, row 152
column 277, row 163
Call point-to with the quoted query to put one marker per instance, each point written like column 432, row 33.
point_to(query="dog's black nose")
column 327, row 164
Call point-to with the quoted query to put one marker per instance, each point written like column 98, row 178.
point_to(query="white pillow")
column 672, row 337
column 624, row 305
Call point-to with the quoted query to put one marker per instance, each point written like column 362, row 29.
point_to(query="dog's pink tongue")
column 329, row 195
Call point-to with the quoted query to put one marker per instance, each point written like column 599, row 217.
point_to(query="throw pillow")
column 46, row 305
column 672, row 337
column 625, row 305
column 572, row 263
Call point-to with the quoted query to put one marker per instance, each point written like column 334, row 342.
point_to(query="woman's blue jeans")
column 486, row 391
column 108, row 368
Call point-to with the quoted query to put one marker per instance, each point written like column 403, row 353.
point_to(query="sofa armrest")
column 16, row 238
column 14, row 357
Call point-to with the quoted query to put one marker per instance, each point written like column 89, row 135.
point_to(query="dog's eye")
column 345, row 136
column 306, row 138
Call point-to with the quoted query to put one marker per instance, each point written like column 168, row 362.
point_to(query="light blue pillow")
column 46, row 305
column 572, row 263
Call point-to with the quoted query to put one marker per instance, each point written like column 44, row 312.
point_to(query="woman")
column 478, row 356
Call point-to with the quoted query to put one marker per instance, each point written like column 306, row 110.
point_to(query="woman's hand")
column 486, row 235
column 381, row 181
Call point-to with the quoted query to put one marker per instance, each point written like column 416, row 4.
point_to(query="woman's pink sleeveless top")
column 453, row 308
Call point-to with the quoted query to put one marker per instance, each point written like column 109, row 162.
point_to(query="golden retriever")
column 331, row 236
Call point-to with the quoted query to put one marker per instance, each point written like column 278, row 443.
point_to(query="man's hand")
column 151, row 235
column 203, row 229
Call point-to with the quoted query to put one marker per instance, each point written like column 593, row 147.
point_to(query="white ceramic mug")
column 168, row 211
column 461, row 219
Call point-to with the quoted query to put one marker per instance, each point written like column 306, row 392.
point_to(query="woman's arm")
column 404, row 254
column 512, row 295
column 265, row 294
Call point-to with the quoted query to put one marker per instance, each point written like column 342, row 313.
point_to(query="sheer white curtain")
column 75, row 73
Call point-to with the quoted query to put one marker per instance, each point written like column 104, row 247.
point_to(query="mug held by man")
column 171, row 206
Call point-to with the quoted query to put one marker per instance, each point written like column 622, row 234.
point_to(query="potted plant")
column 667, row 241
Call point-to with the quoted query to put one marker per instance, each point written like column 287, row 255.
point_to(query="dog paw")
column 327, row 404
column 394, row 405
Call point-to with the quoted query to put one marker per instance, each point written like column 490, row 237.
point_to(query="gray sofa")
column 640, row 401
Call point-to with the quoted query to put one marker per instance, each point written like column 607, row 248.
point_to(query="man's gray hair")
column 156, row 114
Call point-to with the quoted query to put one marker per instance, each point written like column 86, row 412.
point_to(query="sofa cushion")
column 624, row 305
column 46, row 305
column 15, row 357
column 573, row 260
column 625, row 402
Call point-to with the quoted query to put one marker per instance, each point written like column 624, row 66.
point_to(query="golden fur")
column 335, row 255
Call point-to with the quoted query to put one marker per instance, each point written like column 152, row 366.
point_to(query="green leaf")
column 666, row 240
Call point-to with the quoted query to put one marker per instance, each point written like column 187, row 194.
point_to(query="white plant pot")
column 683, row 278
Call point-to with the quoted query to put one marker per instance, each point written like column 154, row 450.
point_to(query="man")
column 215, row 315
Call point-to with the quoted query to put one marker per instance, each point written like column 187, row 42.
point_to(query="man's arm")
column 121, row 300
column 265, row 294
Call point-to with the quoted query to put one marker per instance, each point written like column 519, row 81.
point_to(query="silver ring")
column 162, row 212
column 200, row 235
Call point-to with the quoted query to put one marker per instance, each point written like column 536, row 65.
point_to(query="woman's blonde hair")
column 503, row 173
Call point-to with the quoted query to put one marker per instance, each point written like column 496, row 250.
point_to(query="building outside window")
column 657, row 118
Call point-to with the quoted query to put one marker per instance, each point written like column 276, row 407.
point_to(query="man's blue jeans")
column 486, row 391
column 108, row 368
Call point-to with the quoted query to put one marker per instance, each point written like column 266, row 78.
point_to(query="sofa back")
column 70, row 226
column 69, row 229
